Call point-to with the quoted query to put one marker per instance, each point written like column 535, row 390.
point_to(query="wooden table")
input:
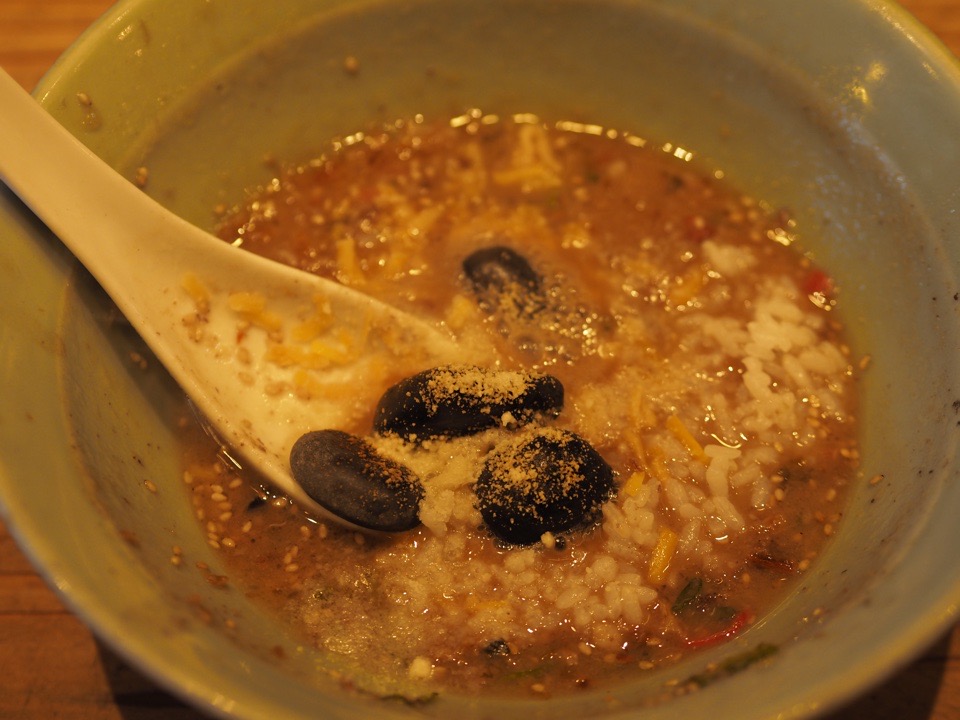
column 51, row 666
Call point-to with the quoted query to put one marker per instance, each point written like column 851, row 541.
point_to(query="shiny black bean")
column 546, row 480
column 501, row 278
column 457, row 400
column 346, row 475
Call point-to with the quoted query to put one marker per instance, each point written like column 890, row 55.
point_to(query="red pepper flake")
column 697, row 229
column 738, row 623
column 817, row 283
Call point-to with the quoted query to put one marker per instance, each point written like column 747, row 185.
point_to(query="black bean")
column 347, row 476
column 546, row 480
column 457, row 400
column 501, row 278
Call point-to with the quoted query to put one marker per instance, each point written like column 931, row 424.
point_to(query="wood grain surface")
column 51, row 666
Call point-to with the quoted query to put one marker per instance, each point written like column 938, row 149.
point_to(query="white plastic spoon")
column 148, row 260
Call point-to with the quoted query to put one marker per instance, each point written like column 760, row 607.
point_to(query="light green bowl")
column 845, row 111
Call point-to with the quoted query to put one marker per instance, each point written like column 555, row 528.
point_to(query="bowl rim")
column 941, row 611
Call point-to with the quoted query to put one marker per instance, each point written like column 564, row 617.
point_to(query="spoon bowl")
column 233, row 329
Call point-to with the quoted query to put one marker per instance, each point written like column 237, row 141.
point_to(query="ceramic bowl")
column 855, row 131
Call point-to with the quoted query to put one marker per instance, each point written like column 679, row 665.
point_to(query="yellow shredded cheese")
column 633, row 484
column 314, row 325
column 251, row 307
column 198, row 292
column 680, row 431
column 641, row 414
column 657, row 464
column 635, row 443
column 349, row 271
column 306, row 386
column 315, row 356
column 662, row 555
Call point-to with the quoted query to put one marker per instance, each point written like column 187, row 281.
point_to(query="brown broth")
column 700, row 353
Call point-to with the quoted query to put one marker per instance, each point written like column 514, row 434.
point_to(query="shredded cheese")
column 662, row 555
column 676, row 426
column 634, row 483
column 198, row 293
column 251, row 307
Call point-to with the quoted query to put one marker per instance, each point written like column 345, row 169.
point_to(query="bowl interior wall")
column 778, row 133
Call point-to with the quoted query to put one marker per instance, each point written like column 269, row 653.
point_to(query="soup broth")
column 700, row 356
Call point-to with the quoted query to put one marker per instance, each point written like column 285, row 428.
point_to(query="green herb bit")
column 412, row 700
column 724, row 612
column 691, row 591
column 734, row 664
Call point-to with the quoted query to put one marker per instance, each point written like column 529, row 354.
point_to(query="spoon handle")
column 116, row 231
